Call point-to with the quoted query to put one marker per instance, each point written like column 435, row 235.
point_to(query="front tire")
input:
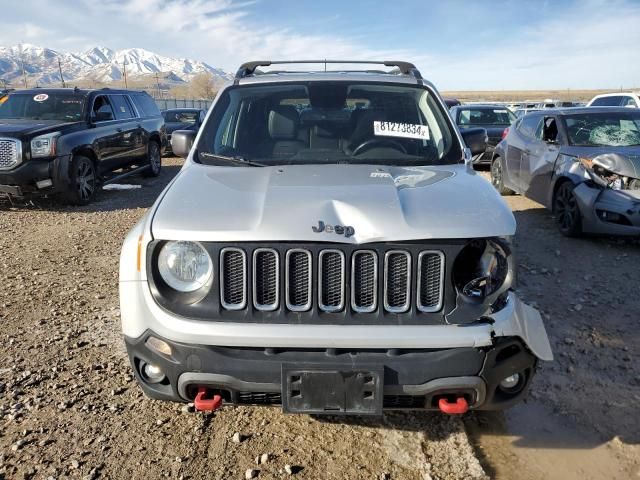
column 497, row 179
column 83, row 181
column 566, row 210
column 154, row 160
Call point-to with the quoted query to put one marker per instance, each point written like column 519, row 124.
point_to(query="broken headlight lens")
column 600, row 170
column 483, row 268
column 185, row 266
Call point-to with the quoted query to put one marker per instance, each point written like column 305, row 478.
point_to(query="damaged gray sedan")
column 581, row 163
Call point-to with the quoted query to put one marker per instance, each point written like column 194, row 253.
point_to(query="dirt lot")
column 69, row 407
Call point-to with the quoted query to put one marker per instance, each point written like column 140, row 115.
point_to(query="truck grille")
column 332, row 280
column 9, row 153
column 299, row 281
column 233, row 278
column 265, row 279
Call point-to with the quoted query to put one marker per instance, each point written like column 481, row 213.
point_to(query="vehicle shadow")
column 142, row 195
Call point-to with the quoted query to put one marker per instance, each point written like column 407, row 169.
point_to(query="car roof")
column 617, row 94
column 578, row 110
column 185, row 109
column 481, row 105
column 82, row 91
column 333, row 71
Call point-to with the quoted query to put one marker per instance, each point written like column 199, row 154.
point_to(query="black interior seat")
column 283, row 126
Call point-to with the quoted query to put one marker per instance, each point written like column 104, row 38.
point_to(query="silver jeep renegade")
column 327, row 247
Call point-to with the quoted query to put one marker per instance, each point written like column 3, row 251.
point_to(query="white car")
column 619, row 99
column 328, row 247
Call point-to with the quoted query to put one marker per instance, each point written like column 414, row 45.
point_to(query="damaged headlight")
column 610, row 170
column 482, row 275
column 482, row 268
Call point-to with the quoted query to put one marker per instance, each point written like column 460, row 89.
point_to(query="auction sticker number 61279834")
column 402, row 130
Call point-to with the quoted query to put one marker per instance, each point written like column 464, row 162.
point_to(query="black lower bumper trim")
column 410, row 378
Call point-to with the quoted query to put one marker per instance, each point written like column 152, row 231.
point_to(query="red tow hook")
column 203, row 404
column 460, row 406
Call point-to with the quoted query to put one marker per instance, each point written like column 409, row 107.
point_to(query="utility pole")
column 158, row 84
column 61, row 77
column 124, row 72
column 24, row 74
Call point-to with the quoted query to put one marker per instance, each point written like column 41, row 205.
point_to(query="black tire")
column 497, row 179
column 566, row 210
column 83, row 181
column 154, row 160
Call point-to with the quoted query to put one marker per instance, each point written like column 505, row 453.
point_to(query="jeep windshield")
column 66, row 107
column 610, row 129
column 328, row 122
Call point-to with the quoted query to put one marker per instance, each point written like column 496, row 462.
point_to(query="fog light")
column 159, row 345
column 510, row 382
column 152, row 373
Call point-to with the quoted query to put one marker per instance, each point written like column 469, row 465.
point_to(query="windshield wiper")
column 236, row 159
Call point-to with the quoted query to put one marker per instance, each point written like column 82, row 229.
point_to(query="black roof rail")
column 404, row 68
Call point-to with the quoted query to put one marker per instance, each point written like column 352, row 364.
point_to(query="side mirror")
column 476, row 139
column 103, row 116
column 182, row 141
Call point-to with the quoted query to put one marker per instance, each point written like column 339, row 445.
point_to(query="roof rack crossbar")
column 405, row 68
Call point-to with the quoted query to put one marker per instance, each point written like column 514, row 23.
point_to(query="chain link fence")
column 167, row 103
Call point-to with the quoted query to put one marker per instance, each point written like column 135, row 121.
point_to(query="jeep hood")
column 281, row 203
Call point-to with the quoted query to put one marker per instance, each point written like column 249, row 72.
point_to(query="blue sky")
column 470, row 45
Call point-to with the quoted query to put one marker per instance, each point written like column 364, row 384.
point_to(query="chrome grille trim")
column 324, row 307
column 266, row 307
column 388, row 286
column 223, row 280
column 10, row 153
column 438, row 305
column 289, row 281
column 356, row 289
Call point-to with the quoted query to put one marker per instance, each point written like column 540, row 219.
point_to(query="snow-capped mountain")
column 97, row 65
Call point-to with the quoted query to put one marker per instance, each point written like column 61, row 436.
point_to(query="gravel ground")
column 69, row 407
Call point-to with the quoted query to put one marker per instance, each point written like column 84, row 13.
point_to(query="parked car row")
column 582, row 164
column 68, row 142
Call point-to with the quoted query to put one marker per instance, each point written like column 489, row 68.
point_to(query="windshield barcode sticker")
column 402, row 130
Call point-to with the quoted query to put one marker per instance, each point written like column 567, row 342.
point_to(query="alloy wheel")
column 85, row 180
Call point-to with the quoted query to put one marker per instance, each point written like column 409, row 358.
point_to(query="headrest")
column 283, row 122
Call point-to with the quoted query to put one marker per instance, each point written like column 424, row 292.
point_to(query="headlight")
column 44, row 145
column 185, row 266
column 483, row 269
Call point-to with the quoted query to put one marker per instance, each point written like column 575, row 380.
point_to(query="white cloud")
column 593, row 45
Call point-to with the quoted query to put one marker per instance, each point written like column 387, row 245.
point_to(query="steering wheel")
column 378, row 142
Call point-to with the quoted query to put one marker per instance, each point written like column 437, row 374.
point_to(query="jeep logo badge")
column 339, row 229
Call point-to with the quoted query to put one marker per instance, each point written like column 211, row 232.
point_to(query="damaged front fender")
column 521, row 320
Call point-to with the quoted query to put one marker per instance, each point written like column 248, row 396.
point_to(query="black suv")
column 68, row 141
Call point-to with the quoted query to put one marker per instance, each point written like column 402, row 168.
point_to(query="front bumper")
column 412, row 379
column 607, row 211
column 21, row 181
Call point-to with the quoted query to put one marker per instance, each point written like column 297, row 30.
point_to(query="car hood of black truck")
column 23, row 129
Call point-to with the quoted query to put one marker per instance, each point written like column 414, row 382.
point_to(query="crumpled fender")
column 524, row 322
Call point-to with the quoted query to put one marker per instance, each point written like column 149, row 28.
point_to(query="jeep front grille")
column 364, row 281
column 233, row 278
column 9, row 153
column 430, row 281
column 265, row 279
column 331, row 280
column 299, row 281
column 397, row 281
